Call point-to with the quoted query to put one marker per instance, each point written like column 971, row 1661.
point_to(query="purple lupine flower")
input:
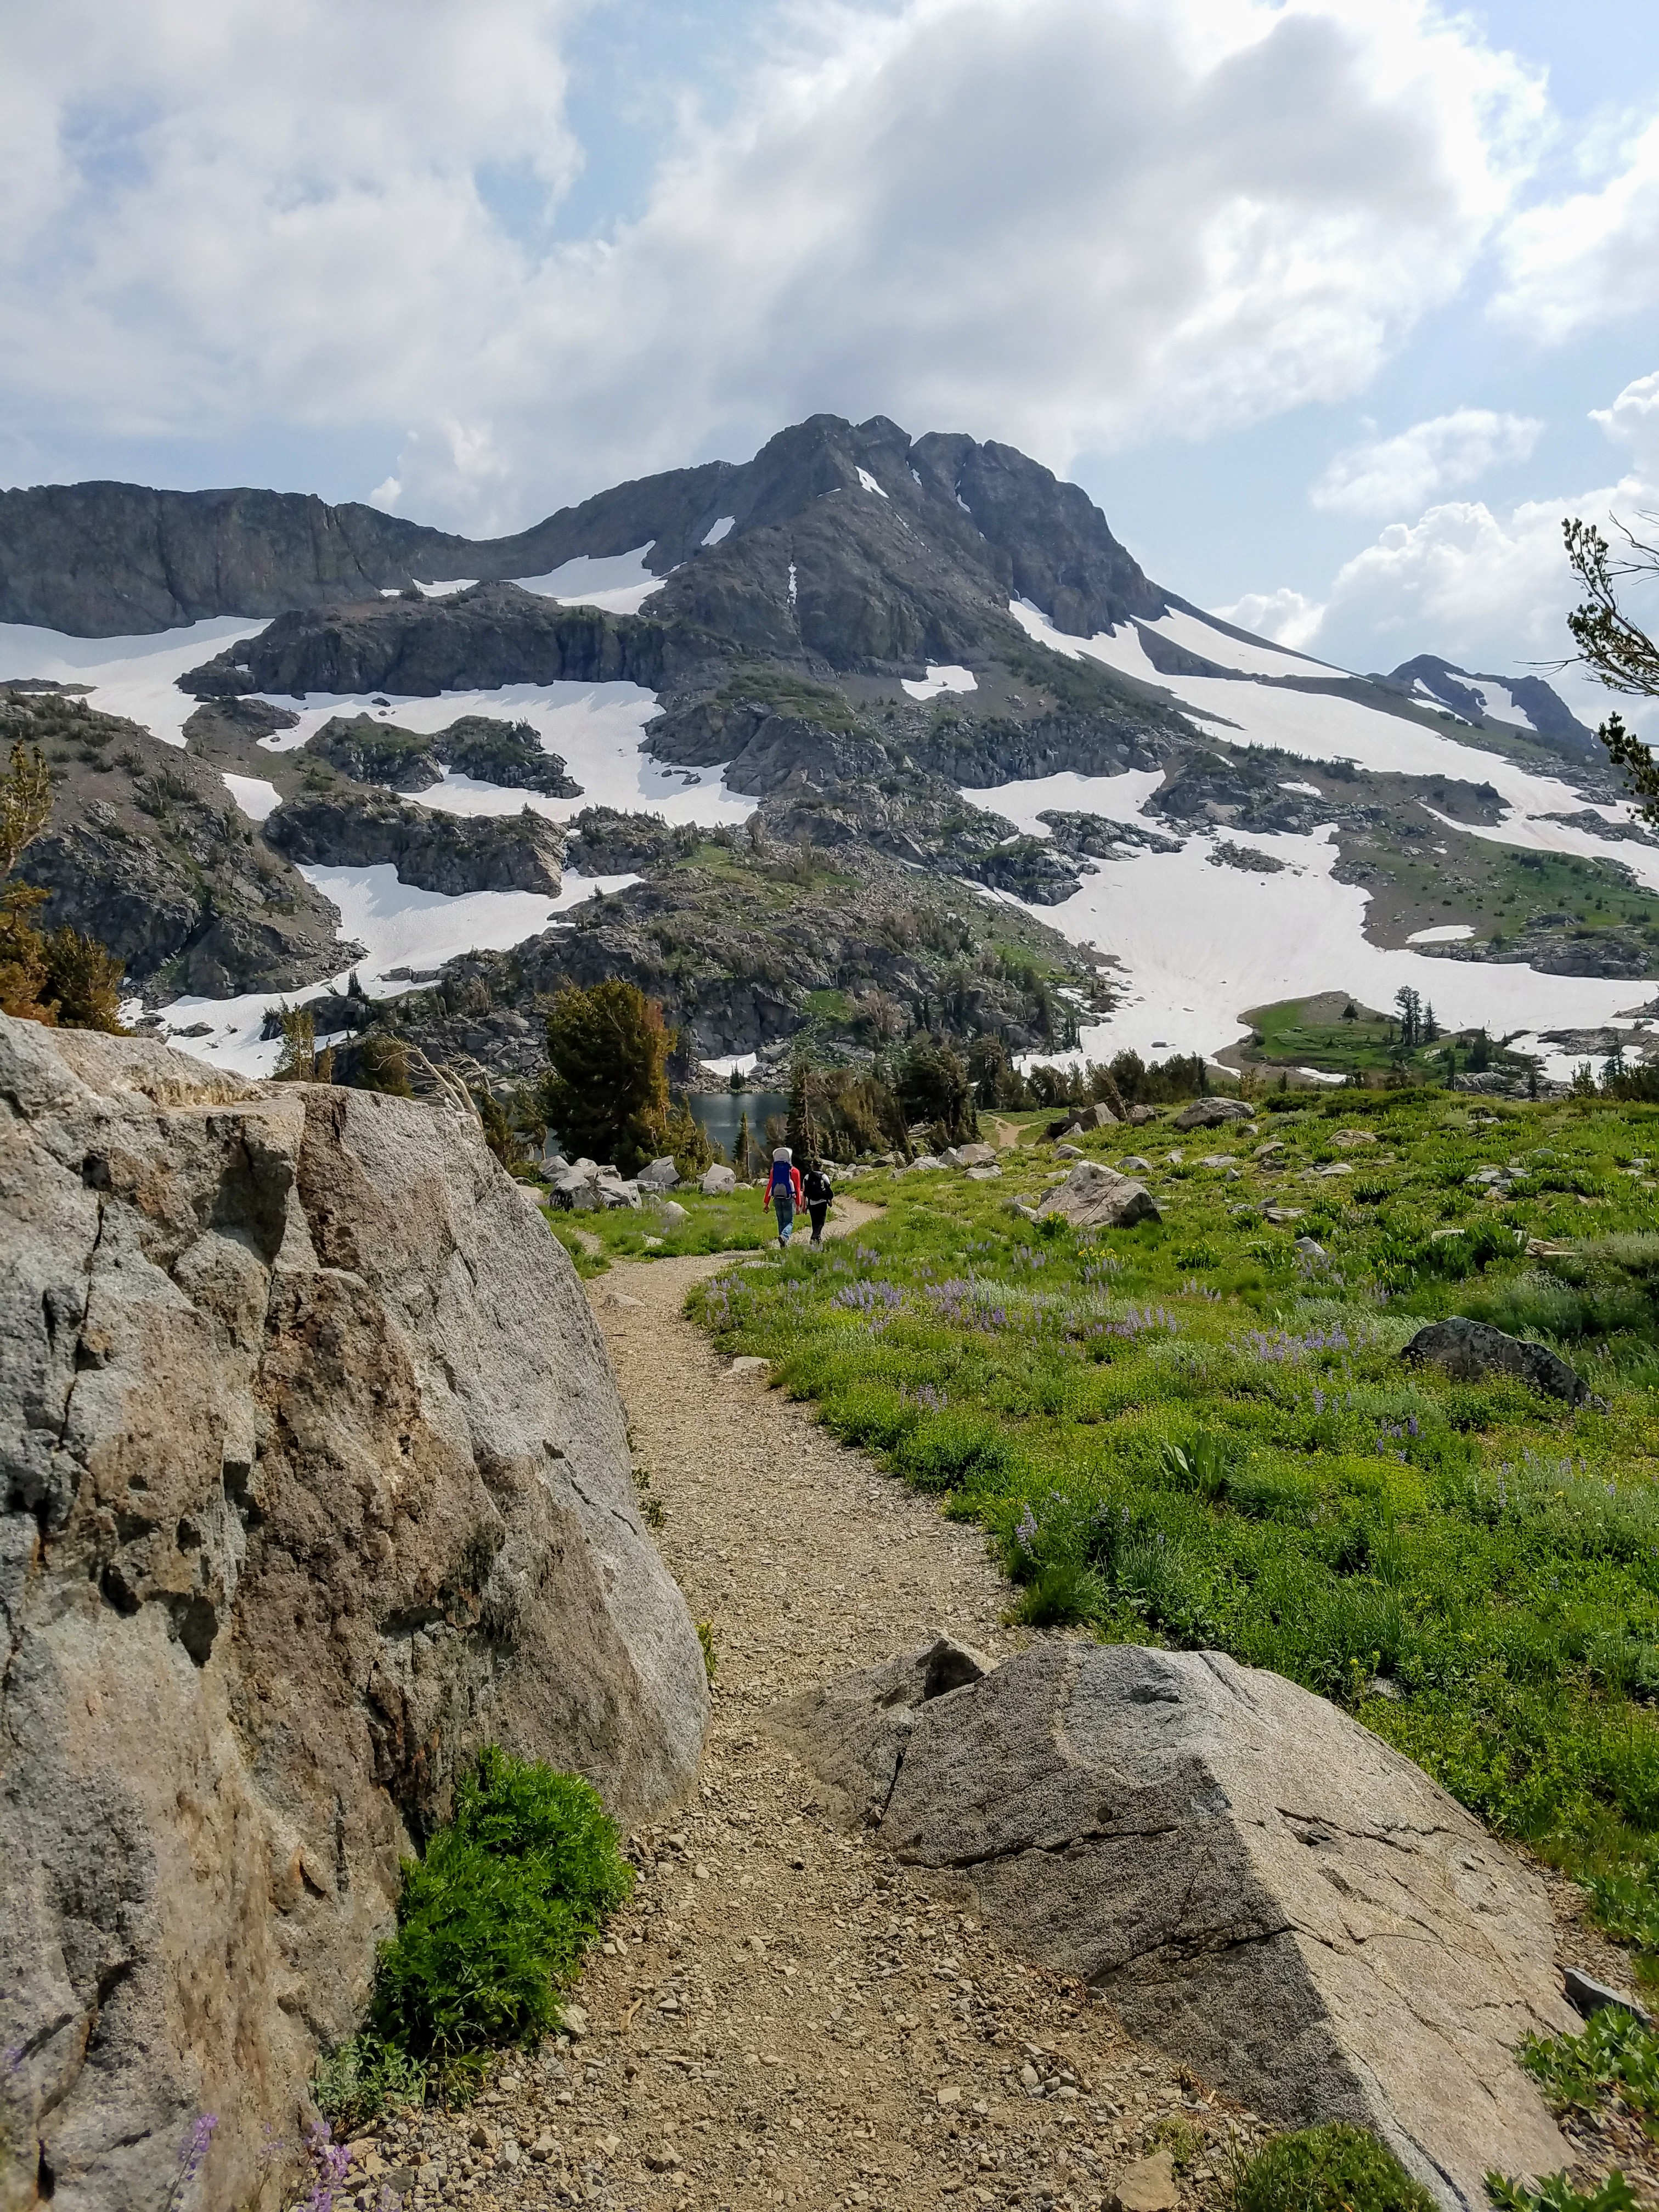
column 194, row 2151
column 329, row 2163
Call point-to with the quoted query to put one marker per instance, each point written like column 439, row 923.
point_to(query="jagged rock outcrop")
column 475, row 640
column 434, row 851
column 480, row 745
column 315, row 1479
column 1256, row 1883
column 1101, row 839
column 1557, row 945
column 148, row 851
column 110, row 560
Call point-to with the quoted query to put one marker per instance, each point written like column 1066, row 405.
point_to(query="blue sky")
column 1318, row 298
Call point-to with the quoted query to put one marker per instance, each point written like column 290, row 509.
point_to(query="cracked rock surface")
column 1255, row 1881
column 315, row 1478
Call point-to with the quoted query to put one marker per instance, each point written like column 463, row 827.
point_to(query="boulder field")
column 315, row 1479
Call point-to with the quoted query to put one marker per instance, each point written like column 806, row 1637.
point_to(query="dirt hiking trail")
column 783, row 2016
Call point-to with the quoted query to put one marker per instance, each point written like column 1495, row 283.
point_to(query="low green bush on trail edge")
column 1555, row 2193
column 1231, row 1454
column 1616, row 2060
column 1330, row 2169
column 492, row 1925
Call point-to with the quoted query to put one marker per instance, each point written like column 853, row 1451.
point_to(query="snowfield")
column 596, row 729
column 947, row 677
column 619, row 582
column 254, row 794
column 1199, row 944
column 400, row 927
column 133, row 676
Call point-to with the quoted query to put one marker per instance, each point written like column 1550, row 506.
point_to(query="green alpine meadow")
column 1200, row 1431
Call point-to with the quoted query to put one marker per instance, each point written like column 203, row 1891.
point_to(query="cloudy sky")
column 1336, row 306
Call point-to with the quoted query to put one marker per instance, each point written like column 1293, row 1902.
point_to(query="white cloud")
column 1062, row 222
column 1391, row 476
column 224, row 215
column 1485, row 587
column 1464, row 582
column 1633, row 420
column 1590, row 258
column 1287, row 616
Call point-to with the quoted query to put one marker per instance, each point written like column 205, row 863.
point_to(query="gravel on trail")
column 784, row 2015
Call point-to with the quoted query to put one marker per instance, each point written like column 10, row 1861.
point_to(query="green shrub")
column 493, row 1922
column 1059, row 1596
column 364, row 2078
column 1555, row 2193
column 1614, row 2058
column 1329, row 2169
column 953, row 1451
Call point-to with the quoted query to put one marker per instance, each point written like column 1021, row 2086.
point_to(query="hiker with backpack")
column 818, row 1191
column 783, row 1193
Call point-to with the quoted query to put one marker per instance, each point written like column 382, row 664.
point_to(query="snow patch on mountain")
column 597, row 729
column 133, row 676
column 940, row 677
column 619, row 583
column 254, row 794
column 1259, row 657
column 400, row 927
column 1198, row 945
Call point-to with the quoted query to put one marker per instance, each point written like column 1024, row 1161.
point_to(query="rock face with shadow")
column 435, row 852
column 315, row 1479
column 1257, row 1883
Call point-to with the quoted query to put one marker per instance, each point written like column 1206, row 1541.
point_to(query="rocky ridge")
column 148, row 851
column 452, row 853
column 372, row 751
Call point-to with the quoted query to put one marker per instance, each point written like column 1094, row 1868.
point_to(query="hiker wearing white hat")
column 783, row 1193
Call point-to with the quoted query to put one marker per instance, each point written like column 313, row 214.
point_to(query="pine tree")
column 804, row 1139
column 65, row 978
column 606, row 1088
column 297, row 1062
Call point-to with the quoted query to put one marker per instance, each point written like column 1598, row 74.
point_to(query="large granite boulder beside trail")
column 1258, row 1884
column 315, row 1479
column 1094, row 1196
column 1473, row 1351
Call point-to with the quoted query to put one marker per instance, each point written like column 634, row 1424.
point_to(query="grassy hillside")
column 1202, row 1434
